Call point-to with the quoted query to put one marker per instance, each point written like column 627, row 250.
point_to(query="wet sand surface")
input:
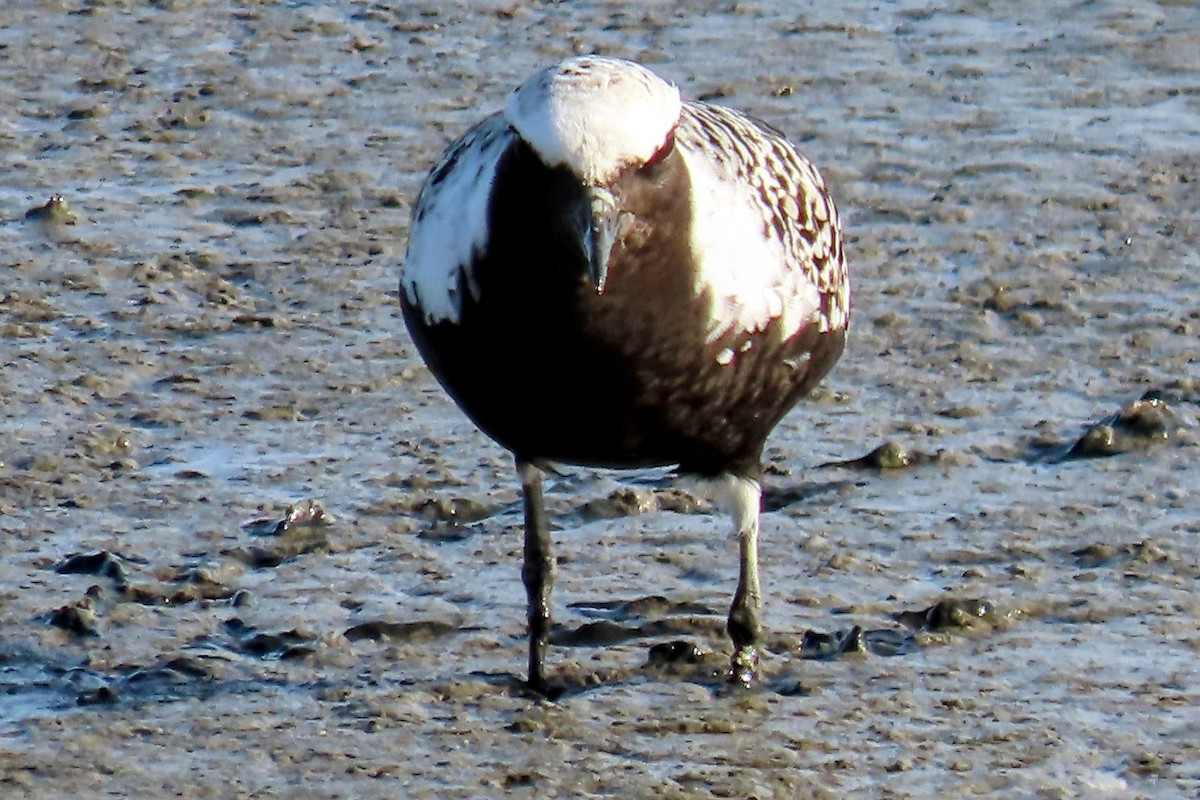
column 248, row 548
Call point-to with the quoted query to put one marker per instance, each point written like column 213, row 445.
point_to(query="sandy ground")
column 206, row 334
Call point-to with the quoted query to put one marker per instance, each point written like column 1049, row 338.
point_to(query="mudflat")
column 248, row 547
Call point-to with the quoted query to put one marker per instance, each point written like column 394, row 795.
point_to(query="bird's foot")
column 743, row 667
column 537, row 686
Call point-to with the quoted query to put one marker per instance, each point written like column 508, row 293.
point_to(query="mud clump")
column 101, row 563
column 676, row 652
column 200, row 583
column 170, row 675
column 303, row 529
column 78, row 618
column 55, row 211
column 646, row 617
column 687, row 660
column 305, row 514
column 950, row 615
column 282, row 646
column 624, row 502
column 629, row 501
column 890, row 455
column 100, row 696
column 1103, row 554
column 594, row 634
column 1142, row 424
column 388, row 631
column 606, row 632
column 655, row 605
column 856, row 640
column 450, row 519
column 455, row 510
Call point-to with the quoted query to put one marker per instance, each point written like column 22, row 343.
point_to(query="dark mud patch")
column 640, row 618
column 172, row 677
column 30, row 681
column 778, row 497
column 920, row 628
column 408, row 631
column 304, row 528
column 1145, row 423
column 78, row 618
column 296, row 518
column 608, row 632
column 629, row 501
column 279, row 645
column 100, row 563
column 891, row 455
column 55, row 211
column 1135, row 554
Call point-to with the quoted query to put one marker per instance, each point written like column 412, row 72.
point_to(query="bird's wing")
column 450, row 221
column 765, row 232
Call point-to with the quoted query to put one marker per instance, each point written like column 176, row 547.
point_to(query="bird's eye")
column 660, row 155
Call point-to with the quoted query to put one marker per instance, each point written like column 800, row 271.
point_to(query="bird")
column 605, row 275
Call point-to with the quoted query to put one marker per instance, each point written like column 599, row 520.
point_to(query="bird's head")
column 595, row 115
column 598, row 117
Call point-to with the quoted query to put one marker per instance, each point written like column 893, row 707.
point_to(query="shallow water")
column 215, row 338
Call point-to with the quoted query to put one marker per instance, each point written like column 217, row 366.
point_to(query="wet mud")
column 248, row 547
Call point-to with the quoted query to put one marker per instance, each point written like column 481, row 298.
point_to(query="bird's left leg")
column 537, row 573
column 745, row 498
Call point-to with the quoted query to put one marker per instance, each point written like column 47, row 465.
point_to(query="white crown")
column 595, row 115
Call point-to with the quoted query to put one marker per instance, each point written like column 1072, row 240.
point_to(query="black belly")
column 609, row 382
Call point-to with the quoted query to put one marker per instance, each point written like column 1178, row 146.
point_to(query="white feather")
column 738, row 496
column 450, row 222
column 743, row 194
column 595, row 115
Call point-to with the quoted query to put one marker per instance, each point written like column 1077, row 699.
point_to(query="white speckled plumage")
column 764, row 227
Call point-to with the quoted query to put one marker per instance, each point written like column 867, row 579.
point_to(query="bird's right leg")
column 537, row 573
column 745, row 628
